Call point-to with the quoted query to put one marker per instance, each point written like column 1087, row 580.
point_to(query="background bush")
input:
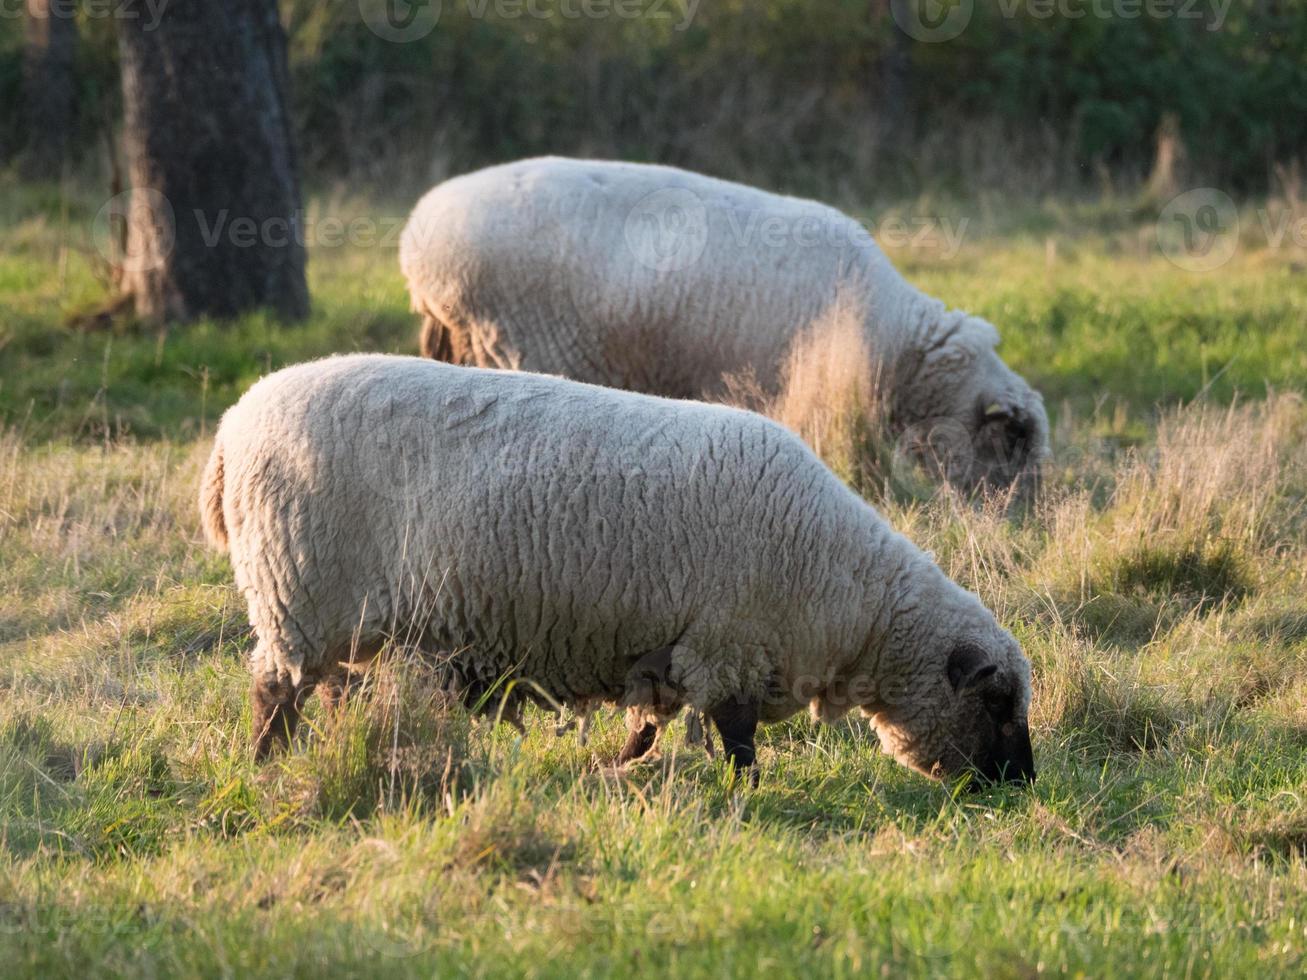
column 785, row 92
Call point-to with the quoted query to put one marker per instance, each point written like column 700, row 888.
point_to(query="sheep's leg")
column 697, row 732
column 580, row 720
column 639, row 741
column 737, row 721
column 649, row 692
column 337, row 685
column 275, row 712
column 334, row 690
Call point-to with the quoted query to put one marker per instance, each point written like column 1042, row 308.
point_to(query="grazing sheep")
column 659, row 280
column 592, row 545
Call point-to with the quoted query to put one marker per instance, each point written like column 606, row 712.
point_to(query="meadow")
column 1159, row 586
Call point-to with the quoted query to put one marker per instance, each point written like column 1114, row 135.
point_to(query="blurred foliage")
column 1032, row 95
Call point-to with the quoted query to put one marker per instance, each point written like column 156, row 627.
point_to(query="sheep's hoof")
column 749, row 773
column 737, row 721
column 275, row 713
column 638, row 743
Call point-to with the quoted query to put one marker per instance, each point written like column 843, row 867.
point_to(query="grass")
column 1158, row 587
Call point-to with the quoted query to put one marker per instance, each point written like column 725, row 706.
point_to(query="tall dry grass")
column 1189, row 523
column 1158, row 607
column 125, row 766
column 830, row 394
column 1133, row 568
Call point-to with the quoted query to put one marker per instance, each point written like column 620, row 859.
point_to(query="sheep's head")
column 965, row 711
column 1008, row 429
column 971, row 418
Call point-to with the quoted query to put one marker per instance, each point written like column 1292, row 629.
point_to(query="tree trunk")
column 214, row 221
column 1169, row 158
column 49, row 102
column 893, row 77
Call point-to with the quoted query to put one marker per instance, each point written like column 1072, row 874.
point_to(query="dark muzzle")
column 1012, row 760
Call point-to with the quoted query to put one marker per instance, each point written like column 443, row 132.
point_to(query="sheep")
column 660, row 280
column 592, row 545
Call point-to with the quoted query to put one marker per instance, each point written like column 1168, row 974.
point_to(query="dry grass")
column 1158, row 588
column 831, row 395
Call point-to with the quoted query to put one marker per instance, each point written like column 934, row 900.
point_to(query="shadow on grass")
column 831, row 782
column 1135, row 597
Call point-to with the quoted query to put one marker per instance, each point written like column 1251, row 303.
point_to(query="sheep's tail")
column 215, row 528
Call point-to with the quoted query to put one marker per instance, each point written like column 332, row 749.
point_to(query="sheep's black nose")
column 990, row 777
column 1012, row 760
column 1015, row 774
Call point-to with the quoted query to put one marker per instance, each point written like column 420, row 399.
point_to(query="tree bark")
column 1168, row 160
column 214, row 220
column 893, row 77
column 49, row 93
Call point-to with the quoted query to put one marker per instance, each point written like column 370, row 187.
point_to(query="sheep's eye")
column 999, row 707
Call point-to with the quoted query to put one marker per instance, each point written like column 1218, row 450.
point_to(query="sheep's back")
column 634, row 275
column 522, row 515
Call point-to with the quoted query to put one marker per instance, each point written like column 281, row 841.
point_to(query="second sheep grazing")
column 598, row 546
column 661, row 280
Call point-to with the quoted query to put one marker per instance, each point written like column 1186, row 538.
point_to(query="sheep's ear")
column 1000, row 410
column 1011, row 423
column 968, row 666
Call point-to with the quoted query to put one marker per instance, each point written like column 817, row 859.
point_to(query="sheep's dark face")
column 987, row 731
column 1009, row 439
column 970, row 718
column 1000, row 429
column 970, row 419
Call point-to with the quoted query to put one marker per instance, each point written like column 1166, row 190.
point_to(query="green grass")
column 1160, row 590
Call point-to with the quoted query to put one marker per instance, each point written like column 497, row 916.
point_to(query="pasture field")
column 1159, row 587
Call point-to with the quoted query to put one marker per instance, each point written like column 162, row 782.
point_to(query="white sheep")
column 592, row 545
column 659, row 280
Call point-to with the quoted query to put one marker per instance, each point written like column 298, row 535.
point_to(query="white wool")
column 558, row 532
column 660, row 280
